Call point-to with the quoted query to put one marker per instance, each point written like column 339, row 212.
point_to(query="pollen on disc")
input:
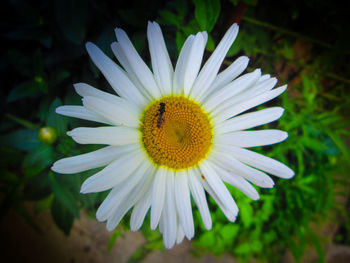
column 176, row 132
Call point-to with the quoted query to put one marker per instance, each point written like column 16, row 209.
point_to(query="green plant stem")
column 23, row 122
column 285, row 31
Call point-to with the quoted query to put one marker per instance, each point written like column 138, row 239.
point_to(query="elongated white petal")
column 81, row 113
column 237, row 181
column 253, row 91
column 229, row 74
column 263, row 78
column 180, row 233
column 181, row 65
column 236, row 109
column 210, row 69
column 169, row 213
column 138, row 66
column 261, row 162
column 252, row 138
column 250, row 120
column 115, row 76
column 231, row 214
column 122, row 113
column 120, row 192
column 137, row 192
column 211, row 177
column 230, row 90
column 198, row 194
column 120, row 55
column 86, row 90
column 227, row 162
column 194, row 62
column 114, row 173
column 188, row 63
column 158, row 196
column 183, row 203
column 140, row 210
column 95, row 159
column 105, row 135
column 161, row 64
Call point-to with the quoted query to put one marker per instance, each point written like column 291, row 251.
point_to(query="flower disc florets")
column 176, row 132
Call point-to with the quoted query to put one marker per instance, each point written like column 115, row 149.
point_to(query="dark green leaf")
column 28, row 89
column 206, row 13
column 22, row 139
column 62, row 216
column 72, row 18
column 65, row 197
column 55, row 120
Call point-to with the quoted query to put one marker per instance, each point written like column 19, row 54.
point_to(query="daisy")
column 174, row 133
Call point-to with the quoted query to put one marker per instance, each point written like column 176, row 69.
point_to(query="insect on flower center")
column 176, row 132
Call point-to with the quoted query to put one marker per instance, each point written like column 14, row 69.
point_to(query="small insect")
column 160, row 114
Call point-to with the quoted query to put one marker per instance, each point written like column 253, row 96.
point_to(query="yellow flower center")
column 176, row 132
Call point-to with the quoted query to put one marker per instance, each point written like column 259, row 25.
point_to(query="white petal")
column 227, row 162
column 262, row 162
column 188, row 63
column 252, row 138
column 198, row 194
column 263, row 78
column 183, row 203
column 105, row 135
column 211, row 177
column 95, row 159
column 138, row 191
column 210, row 69
column 138, row 66
column 253, row 91
column 237, row 181
column 85, row 90
column 180, row 233
column 231, row 214
column 122, row 113
column 140, row 210
column 120, row 192
column 120, row 55
column 81, row 113
column 161, row 64
column 169, row 213
column 230, row 90
column 229, row 74
column 236, row 109
column 115, row 76
column 158, row 196
column 194, row 61
column 114, row 173
column 250, row 120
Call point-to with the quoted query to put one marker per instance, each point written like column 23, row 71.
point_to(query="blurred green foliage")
column 45, row 55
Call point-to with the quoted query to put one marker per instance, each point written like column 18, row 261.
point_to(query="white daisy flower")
column 173, row 134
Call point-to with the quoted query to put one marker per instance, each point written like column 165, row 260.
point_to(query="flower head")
column 172, row 134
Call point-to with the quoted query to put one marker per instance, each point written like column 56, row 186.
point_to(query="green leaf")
column 21, row 139
column 72, row 18
column 207, row 239
column 42, row 157
column 246, row 213
column 64, row 196
column 180, row 40
column 55, row 120
column 62, row 216
column 206, row 13
column 28, row 89
column 37, row 187
column 169, row 18
column 229, row 232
